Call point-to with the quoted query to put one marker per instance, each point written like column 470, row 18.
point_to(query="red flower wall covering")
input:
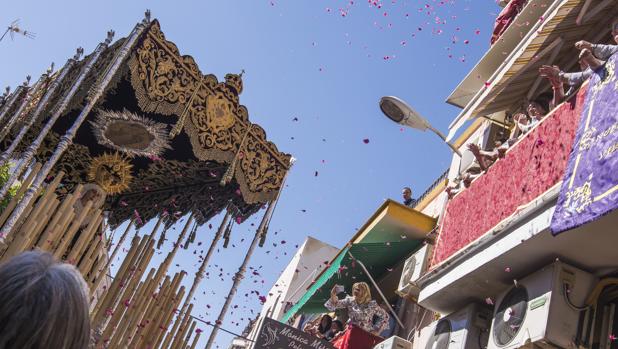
column 529, row 169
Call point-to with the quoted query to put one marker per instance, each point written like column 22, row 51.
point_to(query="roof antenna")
column 14, row 28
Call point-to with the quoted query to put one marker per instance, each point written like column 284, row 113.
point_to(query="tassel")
column 227, row 233
column 162, row 238
column 229, row 173
column 262, row 239
column 225, row 221
column 263, row 228
column 191, row 238
column 192, row 235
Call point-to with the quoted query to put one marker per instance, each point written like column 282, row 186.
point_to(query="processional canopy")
column 165, row 139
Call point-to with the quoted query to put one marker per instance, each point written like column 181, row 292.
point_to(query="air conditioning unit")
column 463, row 329
column 539, row 311
column 412, row 270
column 394, row 343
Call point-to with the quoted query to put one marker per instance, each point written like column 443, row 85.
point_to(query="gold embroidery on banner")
column 209, row 112
column 587, row 139
column 579, row 198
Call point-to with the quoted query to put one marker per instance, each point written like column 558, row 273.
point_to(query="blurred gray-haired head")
column 43, row 304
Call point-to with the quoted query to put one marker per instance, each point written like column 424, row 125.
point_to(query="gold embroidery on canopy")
column 208, row 111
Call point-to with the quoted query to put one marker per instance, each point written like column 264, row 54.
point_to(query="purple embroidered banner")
column 590, row 184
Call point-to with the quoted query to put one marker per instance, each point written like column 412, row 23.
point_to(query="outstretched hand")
column 552, row 73
column 583, row 44
column 474, row 148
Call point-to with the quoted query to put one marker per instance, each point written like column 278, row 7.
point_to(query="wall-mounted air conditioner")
column 394, row 343
column 464, row 329
column 412, row 271
column 542, row 309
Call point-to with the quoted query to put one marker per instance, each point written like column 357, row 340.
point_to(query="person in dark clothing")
column 335, row 328
column 407, row 197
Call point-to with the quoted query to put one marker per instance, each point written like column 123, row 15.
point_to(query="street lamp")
column 401, row 113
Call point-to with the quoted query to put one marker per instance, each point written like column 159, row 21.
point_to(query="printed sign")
column 590, row 185
column 276, row 335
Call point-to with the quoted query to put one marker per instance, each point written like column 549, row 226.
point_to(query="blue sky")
column 324, row 62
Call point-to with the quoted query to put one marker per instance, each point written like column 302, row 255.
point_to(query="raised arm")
column 335, row 303
column 603, row 52
column 552, row 73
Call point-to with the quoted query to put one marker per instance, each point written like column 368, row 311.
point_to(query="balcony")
column 497, row 230
column 530, row 168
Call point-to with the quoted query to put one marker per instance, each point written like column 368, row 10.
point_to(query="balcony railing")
column 441, row 181
column 530, row 167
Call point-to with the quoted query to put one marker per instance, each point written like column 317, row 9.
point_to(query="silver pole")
column 8, row 125
column 379, row 291
column 228, row 300
column 262, row 229
column 200, row 272
column 39, row 109
column 3, row 98
column 34, row 146
column 65, row 140
column 9, row 104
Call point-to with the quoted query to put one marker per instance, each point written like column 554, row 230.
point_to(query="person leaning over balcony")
column 43, row 304
column 454, row 188
column 407, row 197
column 506, row 17
column 591, row 56
column 524, row 122
column 601, row 51
column 361, row 309
column 535, row 111
column 556, row 84
column 486, row 158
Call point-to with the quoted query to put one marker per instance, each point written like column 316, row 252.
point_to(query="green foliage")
column 4, row 177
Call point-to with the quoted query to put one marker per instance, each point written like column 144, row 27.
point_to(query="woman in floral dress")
column 362, row 310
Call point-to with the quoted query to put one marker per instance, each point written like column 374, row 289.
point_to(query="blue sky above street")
column 314, row 72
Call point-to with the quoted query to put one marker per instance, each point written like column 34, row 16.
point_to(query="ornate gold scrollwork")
column 112, row 172
column 209, row 112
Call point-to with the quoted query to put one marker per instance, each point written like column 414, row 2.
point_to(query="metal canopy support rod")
column 200, row 272
column 65, row 140
column 379, row 291
column 228, row 300
column 8, row 125
column 259, row 235
column 34, row 146
column 39, row 109
column 9, row 104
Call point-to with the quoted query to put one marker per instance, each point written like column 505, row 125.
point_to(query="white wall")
column 305, row 266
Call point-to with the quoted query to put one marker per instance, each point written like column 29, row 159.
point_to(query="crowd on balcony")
column 591, row 57
column 367, row 322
